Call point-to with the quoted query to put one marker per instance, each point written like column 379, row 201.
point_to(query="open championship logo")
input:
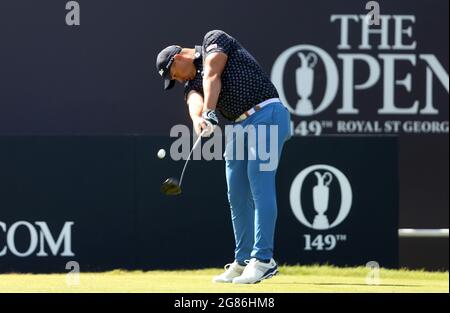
column 321, row 195
column 375, row 80
column 304, row 77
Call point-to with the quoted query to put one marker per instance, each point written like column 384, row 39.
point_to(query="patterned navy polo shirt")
column 244, row 83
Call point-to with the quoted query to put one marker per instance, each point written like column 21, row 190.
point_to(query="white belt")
column 255, row 109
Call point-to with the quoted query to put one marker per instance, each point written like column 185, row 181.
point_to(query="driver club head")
column 171, row 187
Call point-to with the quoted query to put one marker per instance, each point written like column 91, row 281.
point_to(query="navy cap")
column 164, row 62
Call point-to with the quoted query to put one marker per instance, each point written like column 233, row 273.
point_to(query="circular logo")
column 304, row 79
column 320, row 194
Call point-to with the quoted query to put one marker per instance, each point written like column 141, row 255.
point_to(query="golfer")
column 222, row 76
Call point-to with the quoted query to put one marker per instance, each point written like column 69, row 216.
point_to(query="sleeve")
column 217, row 41
column 193, row 85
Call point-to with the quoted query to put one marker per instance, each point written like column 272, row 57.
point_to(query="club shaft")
column 189, row 157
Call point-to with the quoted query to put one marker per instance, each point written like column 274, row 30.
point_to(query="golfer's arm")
column 195, row 104
column 212, row 84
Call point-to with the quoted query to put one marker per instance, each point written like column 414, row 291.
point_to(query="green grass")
column 290, row 279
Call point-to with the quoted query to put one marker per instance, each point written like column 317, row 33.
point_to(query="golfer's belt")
column 255, row 109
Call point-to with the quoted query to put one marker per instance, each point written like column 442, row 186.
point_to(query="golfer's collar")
column 198, row 52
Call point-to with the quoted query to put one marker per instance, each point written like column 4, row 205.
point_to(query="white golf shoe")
column 256, row 271
column 232, row 270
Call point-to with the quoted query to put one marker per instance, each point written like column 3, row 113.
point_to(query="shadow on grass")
column 342, row 284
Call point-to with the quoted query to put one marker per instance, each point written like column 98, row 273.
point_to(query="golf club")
column 172, row 186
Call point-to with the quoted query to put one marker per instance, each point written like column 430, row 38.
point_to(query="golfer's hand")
column 206, row 123
column 199, row 125
column 210, row 119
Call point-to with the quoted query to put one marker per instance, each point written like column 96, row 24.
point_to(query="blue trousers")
column 251, row 186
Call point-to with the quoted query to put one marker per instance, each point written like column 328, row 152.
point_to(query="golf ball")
column 161, row 153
